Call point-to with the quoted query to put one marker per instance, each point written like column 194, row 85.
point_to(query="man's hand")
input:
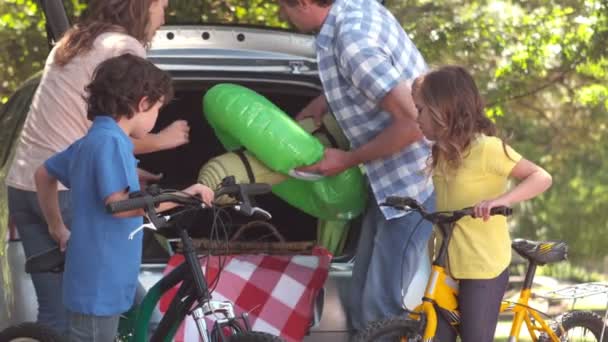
column 174, row 135
column 316, row 109
column 334, row 161
column 146, row 177
column 61, row 234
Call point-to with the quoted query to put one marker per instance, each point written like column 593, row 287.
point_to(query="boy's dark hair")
column 119, row 84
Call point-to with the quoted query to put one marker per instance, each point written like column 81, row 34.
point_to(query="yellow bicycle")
column 440, row 297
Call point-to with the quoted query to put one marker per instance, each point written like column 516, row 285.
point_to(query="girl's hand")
column 482, row 209
column 204, row 192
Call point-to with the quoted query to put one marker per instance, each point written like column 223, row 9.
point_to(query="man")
column 366, row 65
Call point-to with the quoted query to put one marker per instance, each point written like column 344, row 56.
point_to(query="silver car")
column 279, row 64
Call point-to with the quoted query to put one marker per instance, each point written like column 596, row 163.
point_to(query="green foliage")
column 23, row 34
column 249, row 12
column 567, row 272
column 22, row 42
column 563, row 271
column 542, row 66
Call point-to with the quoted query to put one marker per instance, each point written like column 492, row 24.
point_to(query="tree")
column 543, row 67
column 22, row 42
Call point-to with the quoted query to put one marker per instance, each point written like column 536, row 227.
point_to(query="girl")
column 470, row 167
column 58, row 117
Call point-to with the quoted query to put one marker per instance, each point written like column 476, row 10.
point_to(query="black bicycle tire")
column 400, row 325
column 35, row 331
column 580, row 319
column 255, row 336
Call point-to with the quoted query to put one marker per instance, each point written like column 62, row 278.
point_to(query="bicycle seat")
column 541, row 252
column 50, row 260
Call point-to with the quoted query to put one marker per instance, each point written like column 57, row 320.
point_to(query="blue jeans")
column 31, row 225
column 388, row 254
column 90, row 328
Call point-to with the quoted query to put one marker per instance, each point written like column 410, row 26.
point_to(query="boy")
column 102, row 264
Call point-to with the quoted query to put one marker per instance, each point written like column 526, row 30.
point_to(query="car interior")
column 180, row 167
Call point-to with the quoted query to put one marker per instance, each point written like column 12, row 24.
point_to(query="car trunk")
column 180, row 167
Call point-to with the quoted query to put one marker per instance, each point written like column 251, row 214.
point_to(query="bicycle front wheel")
column 576, row 326
column 30, row 332
column 395, row 329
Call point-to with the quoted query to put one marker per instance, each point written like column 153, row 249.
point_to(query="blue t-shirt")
column 102, row 264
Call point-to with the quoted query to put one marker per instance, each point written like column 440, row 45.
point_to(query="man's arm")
column 48, row 198
column 402, row 132
column 316, row 109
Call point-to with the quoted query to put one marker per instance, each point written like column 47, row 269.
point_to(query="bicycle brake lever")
column 262, row 212
column 150, row 225
column 251, row 211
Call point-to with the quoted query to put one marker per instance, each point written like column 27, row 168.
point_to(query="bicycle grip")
column 505, row 211
column 141, row 202
column 396, row 201
column 256, row 188
column 126, row 205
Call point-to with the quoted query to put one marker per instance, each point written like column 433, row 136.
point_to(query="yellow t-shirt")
column 478, row 249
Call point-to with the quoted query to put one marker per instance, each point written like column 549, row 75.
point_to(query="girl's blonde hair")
column 457, row 111
column 128, row 16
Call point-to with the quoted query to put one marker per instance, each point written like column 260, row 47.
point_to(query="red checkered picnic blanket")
column 278, row 291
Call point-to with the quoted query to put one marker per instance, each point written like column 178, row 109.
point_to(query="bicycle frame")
column 441, row 292
column 440, row 298
column 134, row 324
column 523, row 313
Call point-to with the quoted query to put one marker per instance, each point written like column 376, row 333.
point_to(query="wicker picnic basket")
column 238, row 245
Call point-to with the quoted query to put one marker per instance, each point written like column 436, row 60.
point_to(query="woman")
column 58, row 117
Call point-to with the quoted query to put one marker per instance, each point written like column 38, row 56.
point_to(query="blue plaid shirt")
column 363, row 53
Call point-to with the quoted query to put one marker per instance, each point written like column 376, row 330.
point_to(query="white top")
column 58, row 113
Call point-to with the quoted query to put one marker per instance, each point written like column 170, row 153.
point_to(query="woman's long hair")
column 128, row 16
column 457, row 112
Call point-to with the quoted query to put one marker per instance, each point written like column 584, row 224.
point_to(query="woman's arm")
column 172, row 136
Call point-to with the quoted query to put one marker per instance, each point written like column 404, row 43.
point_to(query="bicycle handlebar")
column 141, row 202
column 245, row 189
column 152, row 196
column 404, row 203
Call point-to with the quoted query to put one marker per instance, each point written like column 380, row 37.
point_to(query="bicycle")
column 440, row 297
column 193, row 295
